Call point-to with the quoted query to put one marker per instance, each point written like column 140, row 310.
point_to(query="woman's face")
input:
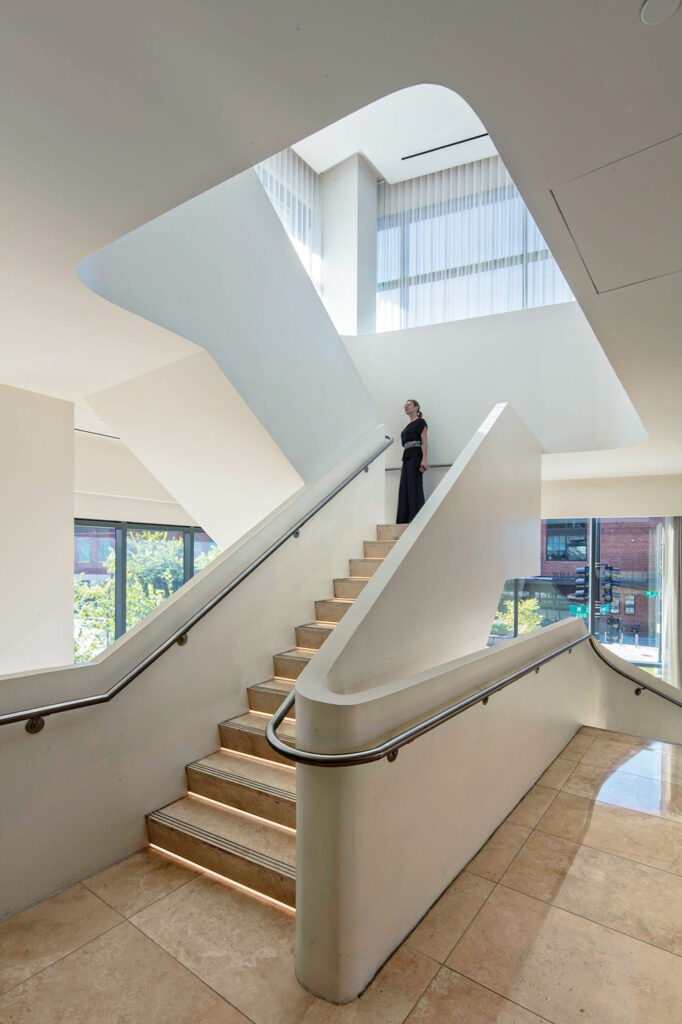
column 410, row 407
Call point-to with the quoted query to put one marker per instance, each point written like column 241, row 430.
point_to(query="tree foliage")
column 530, row 617
column 154, row 563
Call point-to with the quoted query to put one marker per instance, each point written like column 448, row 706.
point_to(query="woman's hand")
column 424, row 466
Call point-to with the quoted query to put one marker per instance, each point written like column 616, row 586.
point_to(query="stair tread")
column 304, row 653
column 257, row 723
column 266, row 840
column 324, row 627
column 275, row 685
column 257, row 773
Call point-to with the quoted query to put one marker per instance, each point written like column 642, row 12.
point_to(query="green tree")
column 530, row 617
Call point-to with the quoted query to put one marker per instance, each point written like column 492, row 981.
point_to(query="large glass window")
column 94, row 570
column 607, row 572
column 459, row 243
column 154, row 570
column 122, row 571
column 294, row 190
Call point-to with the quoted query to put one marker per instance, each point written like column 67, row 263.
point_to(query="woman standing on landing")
column 415, row 439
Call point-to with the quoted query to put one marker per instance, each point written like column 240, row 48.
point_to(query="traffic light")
column 610, row 584
column 582, row 584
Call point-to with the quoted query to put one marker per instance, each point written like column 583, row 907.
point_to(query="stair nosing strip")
column 231, row 724
column 242, row 780
column 263, row 860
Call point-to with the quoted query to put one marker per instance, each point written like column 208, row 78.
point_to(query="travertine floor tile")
column 655, row 761
column 242, row 947
column 565, row 968
column 534, row 804
column 452, row 999
column 578, row 746
column 437, row 933
column 40, row 936
column 389, row 998
column 637, row 900
column 607, row 734
column 119, row 978
column 557, row 773
column 635, row 792
column 631, row 834
column 495, row 857
column 138, row 881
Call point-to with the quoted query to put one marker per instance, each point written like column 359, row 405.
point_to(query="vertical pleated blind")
column 459, row 243
column 294, row 191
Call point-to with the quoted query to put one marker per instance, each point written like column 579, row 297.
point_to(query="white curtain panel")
column 294, row 190
column 459, row 243
column 672, row 608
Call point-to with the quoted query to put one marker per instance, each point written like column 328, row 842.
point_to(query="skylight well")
column 452, row 237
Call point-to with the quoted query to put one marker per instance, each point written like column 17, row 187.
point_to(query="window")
column 566, row 541
column 459, row 243
column 623, row 559
column 138, row 567
column 294, row 190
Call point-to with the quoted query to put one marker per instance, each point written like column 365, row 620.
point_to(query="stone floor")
column 572, row 911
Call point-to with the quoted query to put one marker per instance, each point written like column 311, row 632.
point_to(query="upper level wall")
column 36, row 519
column 221, row 271
column 190, row 427
column 546, row 362
column 111, row 483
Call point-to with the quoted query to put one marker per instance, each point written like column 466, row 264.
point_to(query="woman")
column 415, row 450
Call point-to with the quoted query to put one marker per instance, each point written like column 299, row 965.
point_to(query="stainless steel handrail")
column 626, row 675
column 35, row 717
column 390, row 748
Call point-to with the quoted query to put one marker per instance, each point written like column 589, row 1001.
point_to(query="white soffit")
column 626, row 218
column 405, row 123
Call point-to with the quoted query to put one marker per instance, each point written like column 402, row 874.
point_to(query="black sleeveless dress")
column 411, row 493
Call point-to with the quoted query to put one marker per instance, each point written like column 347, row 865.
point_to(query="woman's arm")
column 425, row 450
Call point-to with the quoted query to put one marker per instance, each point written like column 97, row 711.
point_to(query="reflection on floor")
column 570, row 912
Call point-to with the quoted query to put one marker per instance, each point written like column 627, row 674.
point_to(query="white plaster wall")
column 546, row 362
column 349, row 245
column 221, row 271
column 36, row 522
column 190, row 427
column 76, row 793
column 111, row 483
column 612, row 497
column 378, row 843
column 434, row 596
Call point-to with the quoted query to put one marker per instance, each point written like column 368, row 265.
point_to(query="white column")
column 349, row 245
column 36, row 522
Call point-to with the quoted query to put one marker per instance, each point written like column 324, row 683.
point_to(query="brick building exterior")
column 631, row 545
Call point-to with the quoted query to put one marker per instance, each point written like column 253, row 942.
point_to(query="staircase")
column 239, row 816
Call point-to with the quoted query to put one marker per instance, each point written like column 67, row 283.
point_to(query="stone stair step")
column 364, row 566
column 391, row 531
column 332, row 610
column 377, row 548
column 245, row 734
column 260, row 788
column 312, row 635
column 257, row 854
column 267, row 697
column 290, row 664
column 349, row 587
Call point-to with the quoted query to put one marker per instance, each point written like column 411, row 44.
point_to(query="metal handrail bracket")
column 35, row 717
column 389, row 749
